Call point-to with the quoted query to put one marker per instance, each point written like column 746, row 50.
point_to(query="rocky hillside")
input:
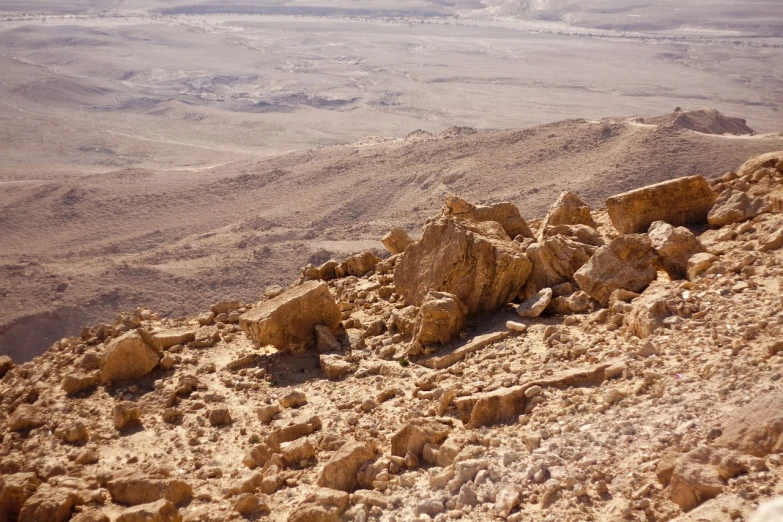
column 618, row 364
column 180, row 241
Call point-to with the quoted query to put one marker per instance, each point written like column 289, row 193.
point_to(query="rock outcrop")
column 627, row 263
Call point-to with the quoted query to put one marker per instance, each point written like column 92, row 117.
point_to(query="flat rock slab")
column 162, row 339
column 477, row 343
column 681, row 201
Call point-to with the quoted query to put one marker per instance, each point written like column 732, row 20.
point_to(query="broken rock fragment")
column 734, row 206
column 396, row 241
column 290, row 318
column 674, row 247
column 569, row 209
column 536, row 305
column 340, row 471
column 440, row 319
column 626, row 263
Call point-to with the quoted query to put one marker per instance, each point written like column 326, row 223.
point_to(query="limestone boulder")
column 340, row 471
column 757, row 427
column 440, row 319
column 126, row 415
column 536, row 305
column 80, row 381
column 134, row 489
column 49, row 504
column 396, row 241
column 322, row 505
column 648, row 312
column 681, row 201
column 699, row 263
column 474, row 261
column 555, row 261
column 357, row 265
column 674, row 247
column 168, row 337
column 627, row 263
column 569, row 209
column 734, row 206
column 335, row 366
column 25, row 417
column 159, row 511
column 290, row 318
column 15, row 489
column 412, row 437
column 505, row 214
column 128, row 357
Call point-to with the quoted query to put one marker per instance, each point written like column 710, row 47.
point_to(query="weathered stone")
column 770, row 234
column 268, row 412
column 334, row 366
column 290, row 318
column 25, row 417
column 674, row 247
column 293, row 431
column 6, row 364
column 357, row 265
column 757, row 427
column 77, row 382
column 49, row 504
column 325, row 339
column 412, row 437
column 734, row 206
column 220, row 416
column 536, row 305
column 396, row 241
column 569, row 209
column 626, row 263
column 166, row 338
column 506, row 500
column 248, row 504
column 126, row 414
column 340, row 471
column 699, row 263
column 681, row 201
column 298, row 450
column 579, row 233
column 475, row 344
column 133, row 490
column 322, row 505
column 694, row 479
column 15, row 489
column 475, row 261
column 128, row 357
column 648, row 313
column 440, row 319
column 505, row 214
column 160, row 511
column 71, row 432
column 293, row 399
column 555, row 260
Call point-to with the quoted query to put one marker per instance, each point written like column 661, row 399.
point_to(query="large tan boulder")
column 474, row 261
column 25, row 417
column 569, row 209
column 734, row 206
column 627, row 263
column 128, row 357
column 440, row 319
column 340, row 471
column 555, row 261
column 681, row 201
column 416, row 434
column 695, row 479
column 290, row 318
column 396, row 241
column 674, row 247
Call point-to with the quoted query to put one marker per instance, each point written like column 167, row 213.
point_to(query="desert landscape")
column 414, row 260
